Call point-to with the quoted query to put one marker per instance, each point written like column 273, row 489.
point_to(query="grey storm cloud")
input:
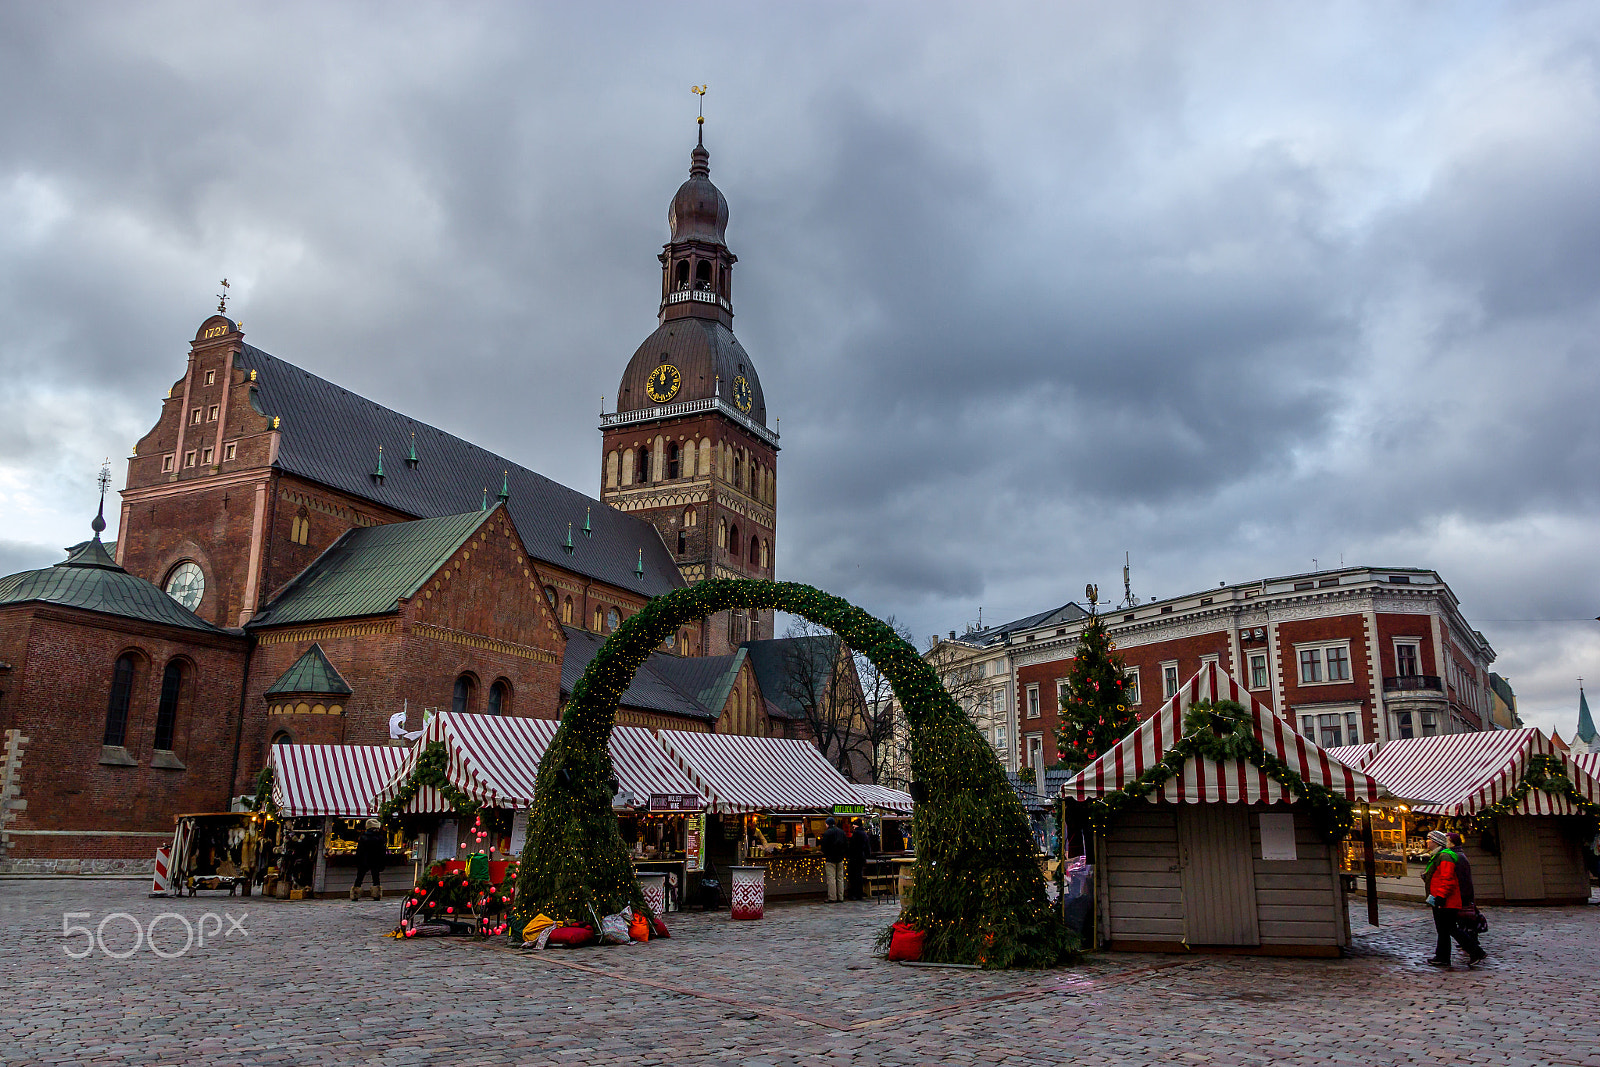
column 1227, row 287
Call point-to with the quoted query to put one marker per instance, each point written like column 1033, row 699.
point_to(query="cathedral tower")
column 688, row 447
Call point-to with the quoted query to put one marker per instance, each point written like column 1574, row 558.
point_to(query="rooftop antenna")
column 1128, row 599
column 222, row 298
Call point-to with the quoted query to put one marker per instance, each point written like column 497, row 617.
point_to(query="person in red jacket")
column 1448, row 882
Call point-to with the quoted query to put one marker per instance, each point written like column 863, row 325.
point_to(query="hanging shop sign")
column 849, row 809
column 674, row 802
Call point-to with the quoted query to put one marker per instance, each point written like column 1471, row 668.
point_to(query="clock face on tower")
column 187, row 584
column 663, row 383
column 741, row 394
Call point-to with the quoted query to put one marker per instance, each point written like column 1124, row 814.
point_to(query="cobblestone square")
column 317, row 982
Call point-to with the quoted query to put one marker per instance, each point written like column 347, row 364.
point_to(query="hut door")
column 1219, row 891
column 1520, row 863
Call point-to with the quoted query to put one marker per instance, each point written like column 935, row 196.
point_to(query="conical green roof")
column 91, row 580
column 1585, row 720
column 311, row 673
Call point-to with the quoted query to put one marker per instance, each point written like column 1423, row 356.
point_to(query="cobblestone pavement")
column 316, row 982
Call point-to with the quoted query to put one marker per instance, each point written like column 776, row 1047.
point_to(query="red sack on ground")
column 571, row 936
column 639, row 927
column 905, row 943
column 658, row 928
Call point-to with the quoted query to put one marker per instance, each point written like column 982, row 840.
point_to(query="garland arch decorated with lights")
column 978, row 895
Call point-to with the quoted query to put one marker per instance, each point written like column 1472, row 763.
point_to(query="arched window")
column 687, row 469
column 612, row 469
column 702, row 275
column 755, row 548
column 672, row 461
column 300, row 528
column 734, row 544
column 499, row 698
column 167, row 710
column 766, row 553
column 597, row 619
column 705, row 456
column 683, row 643
column 683, row 274
column 644, row 466
column 121, row 699
column 282, row 737
column 613, row 619
column 691, row 517
column 627, row 466
column 550, row 595
column 722, row 533
column 461, row 699
column 566, row 611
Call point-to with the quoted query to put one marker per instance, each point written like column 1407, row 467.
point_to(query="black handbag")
column 1469, row 920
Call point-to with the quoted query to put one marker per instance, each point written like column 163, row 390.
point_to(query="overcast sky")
column 1230, row 287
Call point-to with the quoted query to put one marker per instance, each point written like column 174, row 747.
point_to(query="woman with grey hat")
column 372, row 850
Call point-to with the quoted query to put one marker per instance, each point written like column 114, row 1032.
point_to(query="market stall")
column 1223, row 854
column 323, row 795
column 219, row 850
column 494, row 762
column 1507, row 792
column 770, row 798
column 890, row 812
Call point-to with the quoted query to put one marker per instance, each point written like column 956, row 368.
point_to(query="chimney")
column 952, row 635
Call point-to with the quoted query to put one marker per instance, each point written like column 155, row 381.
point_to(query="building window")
column 194, row 417
column 1169, row 680
column 1322, row 664
column 1407, row 659
column 167, row 711
column 1132, row 675
column 627, row 466
column 611, row 469
column 1258, row 671
column 1033, row 702
column 672, row 461
column 1430, row 725
column 646, row 475
column 211, row 377
column 282, row 737
column 566, row 611
column 1036, row 755
column 188, row 459
column 499, row 698
column 207, row 456
column 733, row 539
column 230, row 452
column 167, row 462
column 121, row 697
column 691, row 517
column 598, row 618
column 683, row 543
column 461, row 698
column 1332, row 730
column 212, row 412
column 1000, row 740
column 550, row 595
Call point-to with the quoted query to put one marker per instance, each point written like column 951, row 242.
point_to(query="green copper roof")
column 91, row 580
column 369, row 570
column 311, row 673
column 1585, row 720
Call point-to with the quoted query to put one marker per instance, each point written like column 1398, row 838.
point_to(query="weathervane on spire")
column 700, row 91
column 99, row 522
column 222, row 298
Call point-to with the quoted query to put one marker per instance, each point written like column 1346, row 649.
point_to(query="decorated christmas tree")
column 1095, row 713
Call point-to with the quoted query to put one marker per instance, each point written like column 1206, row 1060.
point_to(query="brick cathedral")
column 297, row 564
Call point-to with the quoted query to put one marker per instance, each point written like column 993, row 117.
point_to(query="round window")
column 613, row 619
column 187, row 584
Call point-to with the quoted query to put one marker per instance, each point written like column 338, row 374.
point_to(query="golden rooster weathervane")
column 700, row 91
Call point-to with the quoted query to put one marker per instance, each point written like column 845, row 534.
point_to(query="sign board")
column 694, row 842
column 519, row 830
column 674, row 802
column 849, row 809
column 1277, row 837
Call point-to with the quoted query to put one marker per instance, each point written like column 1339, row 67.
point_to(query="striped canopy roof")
column 331, row 779
column 1459, row 774
column 494, row 760
column 1589, row 764
column 739, row 774
column 1204, row 780
column 879, row 798
column 1357, row 756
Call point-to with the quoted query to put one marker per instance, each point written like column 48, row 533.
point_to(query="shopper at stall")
column 1448, row 882
column 833, row 856
column 857, row 849
column 372, row 849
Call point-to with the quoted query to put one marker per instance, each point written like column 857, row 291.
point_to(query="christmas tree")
column 1094, row 699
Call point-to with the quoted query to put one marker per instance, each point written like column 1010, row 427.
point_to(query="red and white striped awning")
column 1357, row 756
column 494, row 760
column 1207, row 781
column 1459, row 774
column 1588, row 763
column 740, row 774
column 878, row 798
column 331, row 779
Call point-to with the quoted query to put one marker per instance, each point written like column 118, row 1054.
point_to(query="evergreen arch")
column 979, row 893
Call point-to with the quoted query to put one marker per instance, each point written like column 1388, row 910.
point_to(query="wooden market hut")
column 1524, row 843
column 326, row 792
column 1221, row 857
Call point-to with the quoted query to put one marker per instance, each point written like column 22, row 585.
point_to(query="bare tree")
column 884, row 722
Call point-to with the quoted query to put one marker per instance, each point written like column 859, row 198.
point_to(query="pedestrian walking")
column 856, row 851
column 833, row 853
column 372, row 851
column 1447, row 879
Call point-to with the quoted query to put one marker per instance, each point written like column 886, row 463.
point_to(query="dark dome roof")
column 699, row 211
column 90, row 579
column 703, row 350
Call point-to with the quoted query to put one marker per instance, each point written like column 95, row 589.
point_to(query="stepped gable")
column 331, row 436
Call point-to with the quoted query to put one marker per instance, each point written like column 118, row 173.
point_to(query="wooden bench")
column 882, row 886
